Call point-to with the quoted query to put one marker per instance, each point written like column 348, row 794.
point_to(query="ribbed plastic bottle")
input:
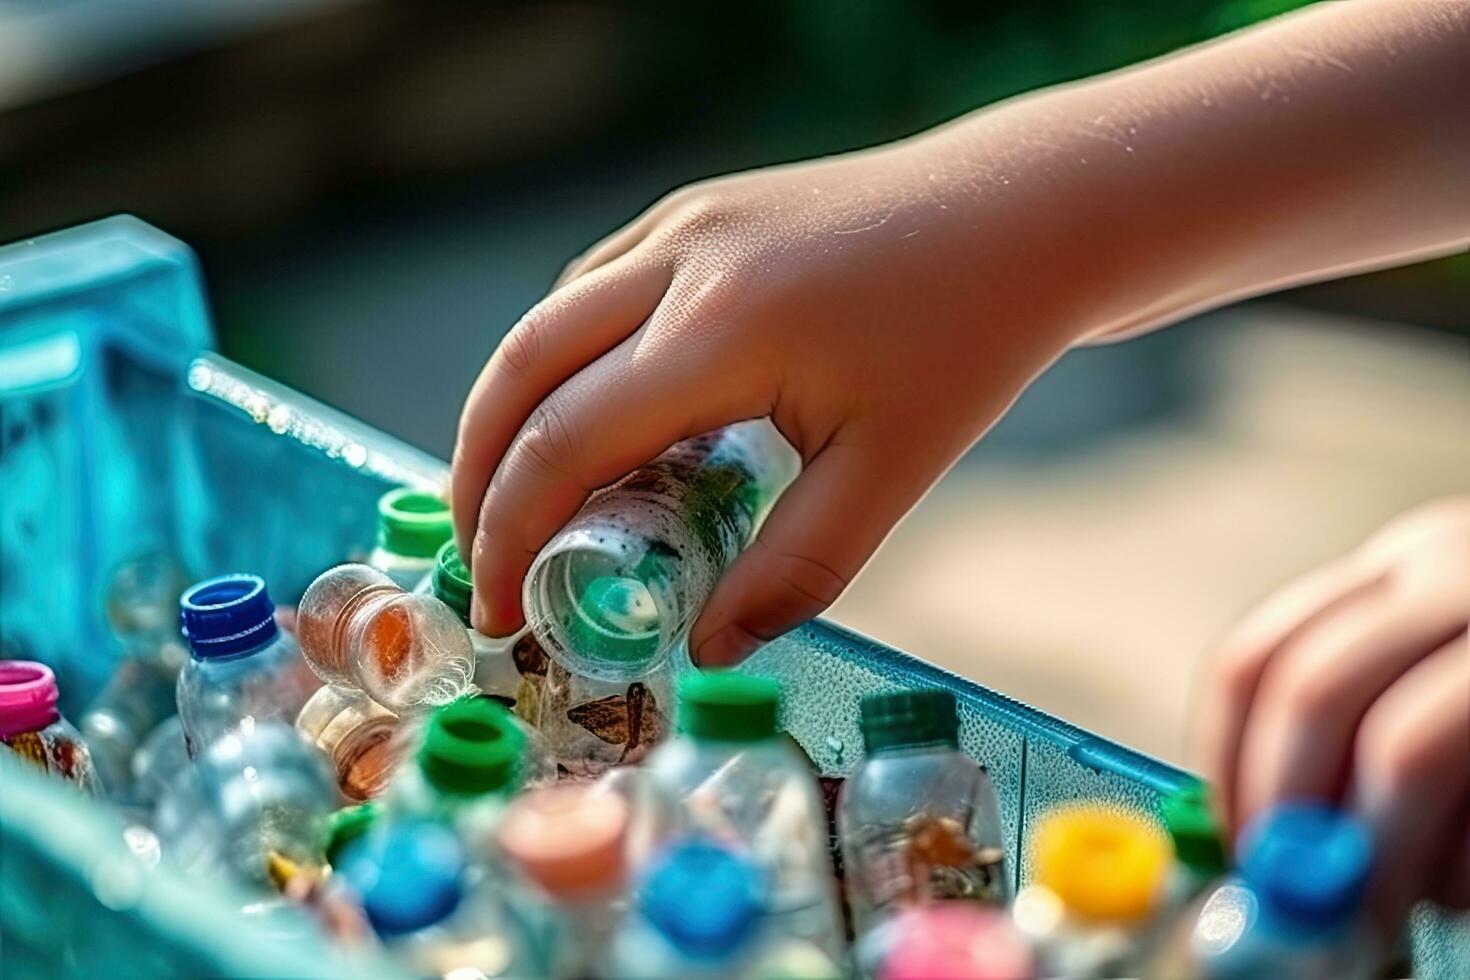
column 918, row 819
column 950, row 940
column 732, row 779
column 1099, row 881
column 242, row 669
column 142, row 608
column 32, row 728
column 613, row 595
column 472, row 758
column 356, row 734
column 571, row 844
column 255, row 801
column 495, row 667
column 1292, row 908
column 412, row 525
column 698, row 912
column 359, row 630
column 417, row 885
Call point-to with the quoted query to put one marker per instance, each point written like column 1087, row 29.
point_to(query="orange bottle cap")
column 569, row 840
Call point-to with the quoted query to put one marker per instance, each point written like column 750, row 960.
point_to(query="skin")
column 884, row 308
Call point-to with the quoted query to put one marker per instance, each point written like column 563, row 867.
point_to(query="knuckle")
column 521, row 348
column 811, row 580
column 1235, row 671
column 1308, row 689
column 549, row 441
column 700, row 213
column 1391, row 754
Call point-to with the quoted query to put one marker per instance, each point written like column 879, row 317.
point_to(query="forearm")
column 1333, row 141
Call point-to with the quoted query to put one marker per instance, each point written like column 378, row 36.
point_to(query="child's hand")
column 1353, row 684
column 867, row 308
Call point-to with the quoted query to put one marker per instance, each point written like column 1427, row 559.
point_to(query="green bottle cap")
column 412, row 523
column 452, row 582
column 347, row 825
column 1191, row 822
column 909, row 719
column 615, row 620
column 471, row 746
column 727, row 706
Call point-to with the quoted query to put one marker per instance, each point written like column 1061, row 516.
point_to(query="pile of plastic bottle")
column 368, row 765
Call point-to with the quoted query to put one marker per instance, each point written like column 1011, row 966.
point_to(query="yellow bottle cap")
column 1106, row 866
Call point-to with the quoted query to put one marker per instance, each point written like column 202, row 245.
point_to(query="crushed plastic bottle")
column 698, row 912
column 1099, row 880
column 357, row 735
column 142, row 608
column 1290, row 911
column 495, row 667
column 474, row 756
column 954, row 940
column 421, row 894
column 242, row 669
column 612, row 596
column 412, row 525
column 32, row 728
column 406, row 651
column 570, row 842
column 734, row 780
column 918, row 820
column 253, row 806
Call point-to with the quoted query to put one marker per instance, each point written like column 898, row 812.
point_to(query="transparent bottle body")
column 406, row 571
column 407, row 651
column 640, row 952
column 1071, row 947
column 161, row 757
column 259, row 796
column 591, row 724
column 612, row 594
column 761, row 800
column 919, row 825
column 356, row 734
column 489, row 934
column 219, row 694
column 59, row 749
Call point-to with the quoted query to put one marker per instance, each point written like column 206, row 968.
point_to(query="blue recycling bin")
column 122, row 434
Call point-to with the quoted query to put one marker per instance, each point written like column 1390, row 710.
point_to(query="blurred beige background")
column 1093, row 584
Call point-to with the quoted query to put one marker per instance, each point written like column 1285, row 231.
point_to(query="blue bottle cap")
column 228, row 616
column 705, row 900
column 1308, row 864
column 410, row 875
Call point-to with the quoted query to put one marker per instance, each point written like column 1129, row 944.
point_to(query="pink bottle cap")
column 27, row 697
column 568, row 839
column 958, row 940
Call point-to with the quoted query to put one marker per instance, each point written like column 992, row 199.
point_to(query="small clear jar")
column 32, row 728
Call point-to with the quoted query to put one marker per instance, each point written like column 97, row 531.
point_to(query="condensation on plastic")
column 228, row 470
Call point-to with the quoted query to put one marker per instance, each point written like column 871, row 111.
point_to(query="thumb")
column 822, row 531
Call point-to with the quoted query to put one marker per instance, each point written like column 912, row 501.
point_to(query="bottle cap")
column 1106, row 866
column 452, row 582
column 27, row 697
column 1195, row 831
column 346, row 826
column 472, row 746
column 570, row 840
column 615, row 620
column 413, row 523
column 909, row 719
column 728, row 706
column 1308, row 864
column 959, row 940
column 705, row 900
column 409, row 875
column 228, row 616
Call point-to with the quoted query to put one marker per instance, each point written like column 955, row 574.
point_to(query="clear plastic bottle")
column 495, row 667
column 1290, row 911
column 918, row 820
column 256, row 800
column 735, row 781
column 431, row 910
column 242, row 668
column 406, row 651
column 412, row 525
column 161, row 757
column 142, row 607
column 357, row 735
column 953, row 940
column 615, row 592
column 698, row 911
column 32, row 728
column 1099, row 880
column 570, row 843
column 474, row 756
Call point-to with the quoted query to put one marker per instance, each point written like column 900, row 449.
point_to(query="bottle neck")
column 357, row 605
